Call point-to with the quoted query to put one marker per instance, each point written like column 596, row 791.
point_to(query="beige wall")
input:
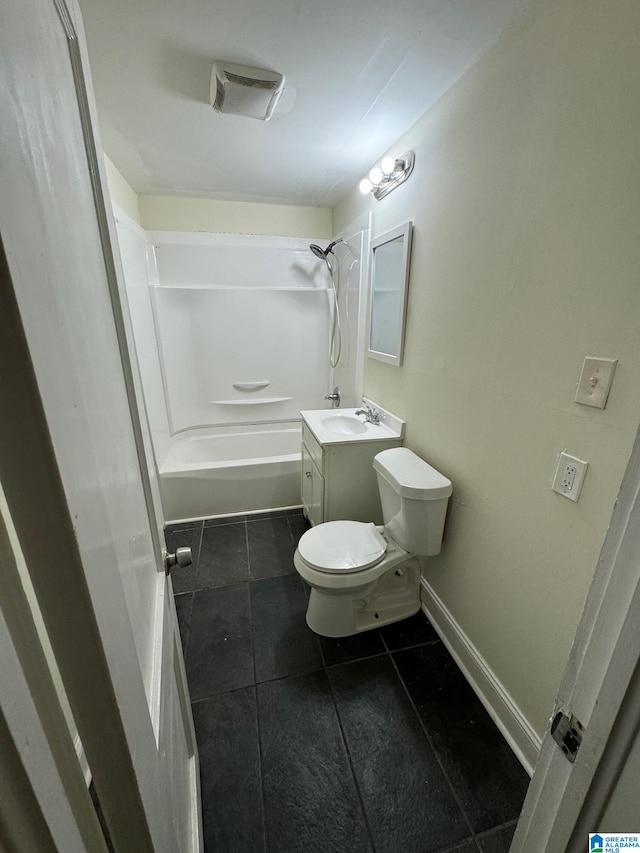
column 175, row 213
column 526, row 203
column 171, row 213
column 121, row 193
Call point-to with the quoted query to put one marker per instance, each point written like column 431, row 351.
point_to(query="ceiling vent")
column 245, row 91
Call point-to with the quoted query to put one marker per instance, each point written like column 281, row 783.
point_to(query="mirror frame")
column 406, row 232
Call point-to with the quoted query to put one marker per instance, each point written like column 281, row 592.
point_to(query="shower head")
column 318, row 252
column 323, row 253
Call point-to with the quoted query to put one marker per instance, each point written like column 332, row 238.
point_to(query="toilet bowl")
column 363, row 576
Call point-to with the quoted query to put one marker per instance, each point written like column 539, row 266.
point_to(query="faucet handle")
column 335, row 397
column 372, row 416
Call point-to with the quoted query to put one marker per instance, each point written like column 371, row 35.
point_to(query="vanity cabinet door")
column 312, row 488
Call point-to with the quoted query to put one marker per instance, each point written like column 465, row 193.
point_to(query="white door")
column 89, row 536
column 601, row 689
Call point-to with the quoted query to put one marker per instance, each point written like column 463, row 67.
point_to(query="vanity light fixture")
column 391, row 172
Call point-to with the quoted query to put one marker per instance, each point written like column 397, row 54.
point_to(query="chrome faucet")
column 371, row 416
column 335, row 398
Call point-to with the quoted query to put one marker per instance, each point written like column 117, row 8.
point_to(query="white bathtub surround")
column 228, row 470
column 239, row 343
column 353, row 275
column 242, row 327
column 137, row 265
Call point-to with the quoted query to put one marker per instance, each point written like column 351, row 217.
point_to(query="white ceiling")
column 358, row 74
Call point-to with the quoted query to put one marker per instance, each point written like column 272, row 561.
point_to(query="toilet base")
column 393, row 596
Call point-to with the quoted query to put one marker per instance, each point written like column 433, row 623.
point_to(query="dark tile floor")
column 370, row 743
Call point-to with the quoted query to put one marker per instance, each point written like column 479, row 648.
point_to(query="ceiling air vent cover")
column 245, row 91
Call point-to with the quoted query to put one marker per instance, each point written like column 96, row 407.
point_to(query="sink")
column 344, row 424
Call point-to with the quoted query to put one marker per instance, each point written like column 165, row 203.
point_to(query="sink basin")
column 344, row 424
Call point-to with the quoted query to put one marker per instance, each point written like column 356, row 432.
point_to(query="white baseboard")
column 514, row 726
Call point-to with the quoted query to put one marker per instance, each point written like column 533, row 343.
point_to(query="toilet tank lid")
column 411, row 476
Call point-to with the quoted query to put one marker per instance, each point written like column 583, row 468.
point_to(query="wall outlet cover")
column 569, row 476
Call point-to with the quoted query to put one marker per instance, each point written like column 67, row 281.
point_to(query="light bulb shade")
column 388, row 165
column 400, row 169
column 375, row 175
column 365, row 186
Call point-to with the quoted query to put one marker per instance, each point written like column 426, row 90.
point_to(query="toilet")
column 363, row 576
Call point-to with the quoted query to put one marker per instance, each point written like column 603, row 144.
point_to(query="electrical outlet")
column 569, row 476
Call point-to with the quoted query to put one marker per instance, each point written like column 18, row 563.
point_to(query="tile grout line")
column 346, row 747
column 349, row 759
column 451, row 848
column 433, row 749
column 324, row 665
column 195, row 577
column 265, row 840
column 219, row 695
column 384, row 642
column 265, row 837
column 390, row 653
column 254, row 685
column 188, row 632
column 487, row 832
column 246, row 542
column 192, row 592
column 248, row 582
column 356, row 660
column 498, row 826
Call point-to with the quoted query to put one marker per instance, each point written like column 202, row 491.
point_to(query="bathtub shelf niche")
column 257, row 401
column 251, row 386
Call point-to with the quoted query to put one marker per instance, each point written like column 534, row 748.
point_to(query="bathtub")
column 229, row 470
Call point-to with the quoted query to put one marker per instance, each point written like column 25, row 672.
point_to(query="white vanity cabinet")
column 312, row 487
column 338, row 479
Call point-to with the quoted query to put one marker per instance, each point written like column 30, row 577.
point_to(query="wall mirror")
column 390, row 257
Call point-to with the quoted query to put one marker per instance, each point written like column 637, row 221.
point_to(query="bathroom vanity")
column 338, row 479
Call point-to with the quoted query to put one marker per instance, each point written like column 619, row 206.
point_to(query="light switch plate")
column 595, row 381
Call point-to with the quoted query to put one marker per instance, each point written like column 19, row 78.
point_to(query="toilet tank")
column 414, row 498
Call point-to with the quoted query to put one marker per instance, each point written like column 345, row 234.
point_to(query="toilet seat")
column 342, row 546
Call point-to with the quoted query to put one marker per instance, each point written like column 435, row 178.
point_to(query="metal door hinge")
column 567, row 733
